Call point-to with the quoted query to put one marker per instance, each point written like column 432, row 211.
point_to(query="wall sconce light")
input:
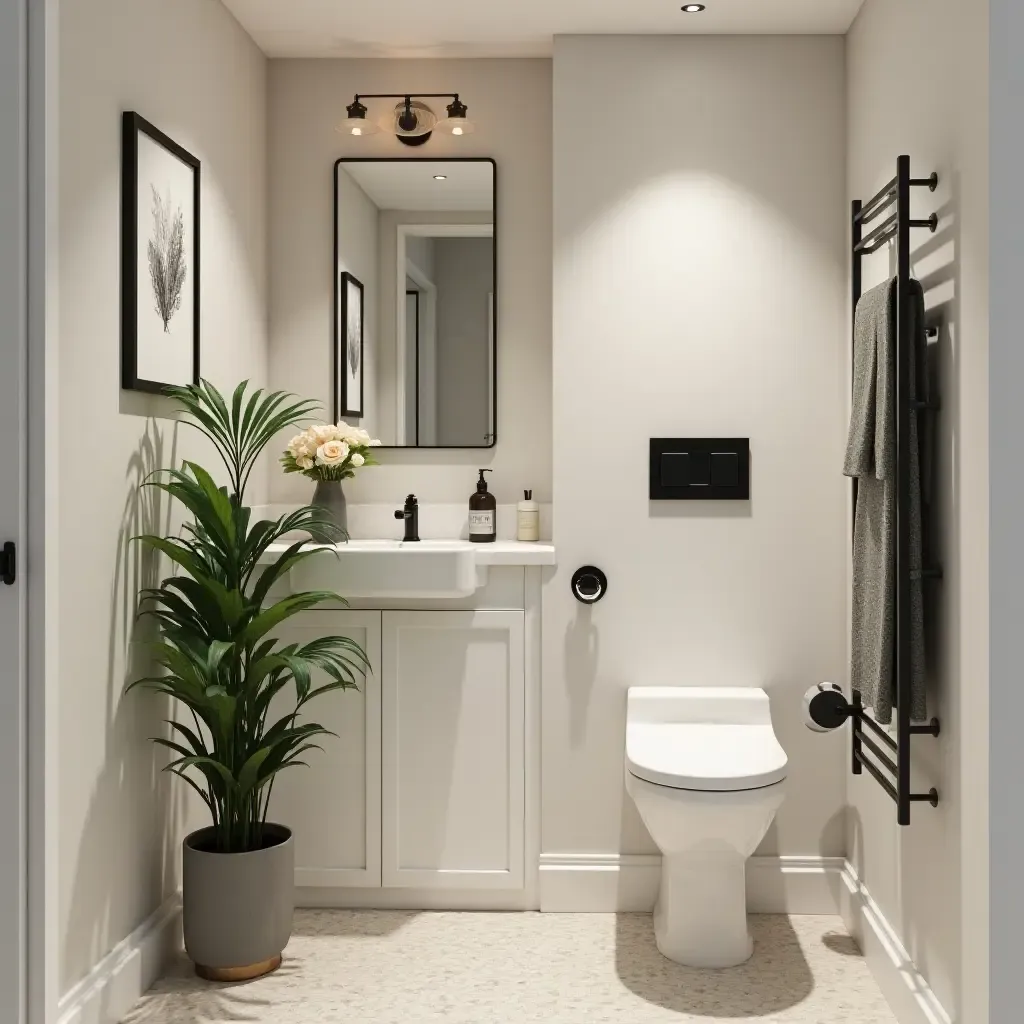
column 412, row 121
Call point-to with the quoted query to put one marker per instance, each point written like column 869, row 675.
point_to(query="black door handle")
column 9, row 563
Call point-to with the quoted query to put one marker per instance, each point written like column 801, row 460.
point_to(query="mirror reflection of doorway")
column 412, row 355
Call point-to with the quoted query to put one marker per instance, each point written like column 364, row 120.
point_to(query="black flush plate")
column 700, row 468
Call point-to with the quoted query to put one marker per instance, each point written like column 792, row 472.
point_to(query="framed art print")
column 159, row 259
column 348, row 347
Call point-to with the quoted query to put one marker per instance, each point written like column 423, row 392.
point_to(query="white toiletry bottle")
column 528, row 518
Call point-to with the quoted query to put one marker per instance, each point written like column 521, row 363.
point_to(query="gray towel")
column 871, row 458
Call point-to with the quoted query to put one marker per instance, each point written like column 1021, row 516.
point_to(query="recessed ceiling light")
column 692, row 8
column 440, row 177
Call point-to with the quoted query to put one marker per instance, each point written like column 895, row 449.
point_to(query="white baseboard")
column 117, row 982
column 908, row 993
column 368, row 898
column 605, row 883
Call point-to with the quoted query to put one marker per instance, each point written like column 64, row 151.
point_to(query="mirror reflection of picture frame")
column 349, row 332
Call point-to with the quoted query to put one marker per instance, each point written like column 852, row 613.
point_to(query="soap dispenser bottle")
column 482, row 513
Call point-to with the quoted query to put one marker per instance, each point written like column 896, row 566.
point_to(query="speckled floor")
column 396, row 967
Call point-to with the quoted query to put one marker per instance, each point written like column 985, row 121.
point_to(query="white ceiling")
column 508, row 28
column 410, row 184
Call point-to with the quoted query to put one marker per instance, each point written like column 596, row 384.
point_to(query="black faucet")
column 411, row 515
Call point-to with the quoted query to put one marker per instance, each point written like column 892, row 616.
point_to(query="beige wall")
column 699, row 291
column 187, row 67
column 510, row 101
column 930, row 878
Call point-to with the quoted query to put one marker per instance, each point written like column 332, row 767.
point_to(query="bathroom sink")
column 392, row 569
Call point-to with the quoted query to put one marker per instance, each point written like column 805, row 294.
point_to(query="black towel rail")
column 896, row 227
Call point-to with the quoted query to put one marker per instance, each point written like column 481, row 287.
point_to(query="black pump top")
column 481, row 484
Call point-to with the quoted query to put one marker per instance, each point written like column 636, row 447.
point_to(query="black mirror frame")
column 494, row 326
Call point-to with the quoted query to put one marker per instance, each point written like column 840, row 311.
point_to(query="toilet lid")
column 712, row 758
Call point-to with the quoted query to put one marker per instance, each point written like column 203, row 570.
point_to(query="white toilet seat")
column 715, row 758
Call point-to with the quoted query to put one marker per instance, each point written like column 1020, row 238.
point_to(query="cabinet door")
column 333, row 806
column 453, row 750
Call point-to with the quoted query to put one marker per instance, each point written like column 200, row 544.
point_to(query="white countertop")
column 499, row 552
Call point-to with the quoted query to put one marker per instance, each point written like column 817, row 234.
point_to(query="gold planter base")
column 239, row 973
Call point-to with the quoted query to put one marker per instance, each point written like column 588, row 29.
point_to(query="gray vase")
column 330, row 495
column 237, row 907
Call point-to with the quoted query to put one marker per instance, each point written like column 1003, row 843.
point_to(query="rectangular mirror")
column 415, row 332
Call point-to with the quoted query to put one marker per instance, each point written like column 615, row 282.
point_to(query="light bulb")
column 457, row 130
column 357, row 131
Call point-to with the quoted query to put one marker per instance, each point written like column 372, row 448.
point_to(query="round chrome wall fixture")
column 589, row 584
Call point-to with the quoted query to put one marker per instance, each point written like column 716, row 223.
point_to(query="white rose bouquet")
column 332, row 451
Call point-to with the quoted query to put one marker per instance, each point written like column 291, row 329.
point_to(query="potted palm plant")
column 243, row 693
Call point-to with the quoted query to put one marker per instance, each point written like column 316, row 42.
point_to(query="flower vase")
column 330, row 495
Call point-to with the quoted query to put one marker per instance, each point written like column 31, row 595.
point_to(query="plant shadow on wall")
column 129, row 784
column 775, row 978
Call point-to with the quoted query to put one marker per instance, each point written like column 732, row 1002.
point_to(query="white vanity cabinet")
column 425, row 794
column 453, row 743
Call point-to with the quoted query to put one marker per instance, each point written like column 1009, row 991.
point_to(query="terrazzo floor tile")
column 397, row 967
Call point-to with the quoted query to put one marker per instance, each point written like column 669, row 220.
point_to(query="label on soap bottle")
column 481, row 522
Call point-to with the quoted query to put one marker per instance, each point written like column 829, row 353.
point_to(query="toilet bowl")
column 706, row 772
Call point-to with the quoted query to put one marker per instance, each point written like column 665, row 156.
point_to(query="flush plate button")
column 725, row 469
column 699, row 468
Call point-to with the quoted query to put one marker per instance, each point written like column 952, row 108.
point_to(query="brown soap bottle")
column 483, row 515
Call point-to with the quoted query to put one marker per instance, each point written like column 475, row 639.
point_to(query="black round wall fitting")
column 589, row 584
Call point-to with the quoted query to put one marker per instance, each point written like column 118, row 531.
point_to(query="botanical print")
column 354, row 331
column 168, row 267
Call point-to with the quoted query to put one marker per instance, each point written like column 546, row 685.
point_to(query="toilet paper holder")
column 589, row 584
column 826, row 708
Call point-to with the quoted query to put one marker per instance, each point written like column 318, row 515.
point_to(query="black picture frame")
column 338, row 164
column 345, row 403
column 133, row 125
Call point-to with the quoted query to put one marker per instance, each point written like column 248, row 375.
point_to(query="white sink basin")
column 392, row 569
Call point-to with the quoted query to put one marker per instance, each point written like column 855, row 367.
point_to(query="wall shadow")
column 581, row 657
column 130, row 786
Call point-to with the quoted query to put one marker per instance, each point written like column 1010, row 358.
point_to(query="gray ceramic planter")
column 237, row 907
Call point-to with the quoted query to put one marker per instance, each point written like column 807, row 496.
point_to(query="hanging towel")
column 871, row 458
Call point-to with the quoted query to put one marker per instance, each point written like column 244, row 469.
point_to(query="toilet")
column 707, row 774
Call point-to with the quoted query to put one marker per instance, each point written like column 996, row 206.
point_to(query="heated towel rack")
column 889, row 763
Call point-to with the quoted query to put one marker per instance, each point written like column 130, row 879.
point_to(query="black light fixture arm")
column 406, row 96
